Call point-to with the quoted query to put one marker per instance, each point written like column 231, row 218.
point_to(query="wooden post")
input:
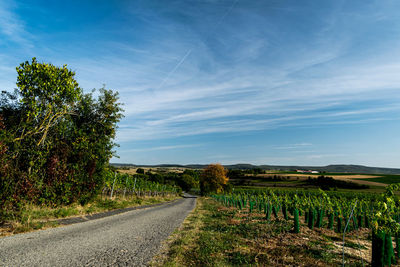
column 112, row 190
column 126, row 181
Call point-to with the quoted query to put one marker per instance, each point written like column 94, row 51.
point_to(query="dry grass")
column 172, row 252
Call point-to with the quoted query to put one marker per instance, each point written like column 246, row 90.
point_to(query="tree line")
column 186, row 180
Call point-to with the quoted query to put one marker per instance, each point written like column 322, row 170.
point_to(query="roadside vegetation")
column 55, row 140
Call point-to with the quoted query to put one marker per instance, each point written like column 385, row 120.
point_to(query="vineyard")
column 336, row 211
column 119, row 184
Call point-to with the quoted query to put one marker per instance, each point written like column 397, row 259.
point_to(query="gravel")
column 128, row 239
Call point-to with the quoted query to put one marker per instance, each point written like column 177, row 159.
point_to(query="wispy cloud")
column 294, row 146
column 12, row 27
column 175, row 147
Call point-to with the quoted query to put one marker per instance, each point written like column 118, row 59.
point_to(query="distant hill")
column 330, row 168
column 338, row 168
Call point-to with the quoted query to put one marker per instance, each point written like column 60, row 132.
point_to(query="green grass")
column 385, row 179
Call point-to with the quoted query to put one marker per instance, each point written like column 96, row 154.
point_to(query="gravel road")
column 127, row 239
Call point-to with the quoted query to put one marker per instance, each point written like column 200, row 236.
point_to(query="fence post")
column 112, row 190
column 126, row 181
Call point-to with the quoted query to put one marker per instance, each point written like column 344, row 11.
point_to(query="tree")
column 213, row 178
column 47, row 93
column 187, row 182
column 140, row 170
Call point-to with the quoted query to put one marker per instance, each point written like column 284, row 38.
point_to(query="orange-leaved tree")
column 213, row 178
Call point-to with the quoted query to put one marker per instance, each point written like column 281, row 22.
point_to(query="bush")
column 55, row 141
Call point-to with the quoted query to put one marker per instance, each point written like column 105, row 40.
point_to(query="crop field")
column 385, row 179
column 300, row 180
column 341, row 212
column 219, row 235
column 273, row 227
column 366, row 179
column 126, row 184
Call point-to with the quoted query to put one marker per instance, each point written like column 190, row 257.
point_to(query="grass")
column 385, row 179
column 213, row 235
column 33, row 217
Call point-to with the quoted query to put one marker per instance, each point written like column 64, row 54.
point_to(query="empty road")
column 128, row 239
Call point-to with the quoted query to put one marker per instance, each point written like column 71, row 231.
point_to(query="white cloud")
column 174, row 147
column 12, row 27
column 294, row 146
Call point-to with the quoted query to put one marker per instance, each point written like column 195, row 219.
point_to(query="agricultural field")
column 289, row 227
column 338, row 181
column 151, row 169
column 369, row 179
column 385, row 179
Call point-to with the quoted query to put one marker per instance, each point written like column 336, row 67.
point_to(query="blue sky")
column 229, row 81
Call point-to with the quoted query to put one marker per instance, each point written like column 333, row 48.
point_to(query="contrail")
column 175, row 68
column 226, row 13
column 190, row 50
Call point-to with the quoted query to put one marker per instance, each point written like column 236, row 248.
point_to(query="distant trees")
column 188, row 180
column 55, row 141
column 213, row 178
column 140, row 170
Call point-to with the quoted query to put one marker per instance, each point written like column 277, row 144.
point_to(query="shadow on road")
column 186, row 195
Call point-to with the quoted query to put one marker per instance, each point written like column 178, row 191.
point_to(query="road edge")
column 104, row 214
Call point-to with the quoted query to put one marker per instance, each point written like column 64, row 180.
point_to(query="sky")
column 230, row 81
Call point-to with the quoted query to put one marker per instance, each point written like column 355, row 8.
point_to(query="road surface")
column 127, row 239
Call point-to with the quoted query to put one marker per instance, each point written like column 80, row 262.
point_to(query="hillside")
column 340, row 168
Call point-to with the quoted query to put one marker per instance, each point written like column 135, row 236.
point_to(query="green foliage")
column 140, row 170
column 326, row 183
column 385, row 179
column 138, row 184
column 55, row 141
column 187, row 182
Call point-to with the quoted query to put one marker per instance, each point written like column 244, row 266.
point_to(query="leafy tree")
column 213, row 178
column 47, row 93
